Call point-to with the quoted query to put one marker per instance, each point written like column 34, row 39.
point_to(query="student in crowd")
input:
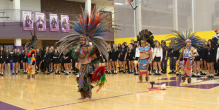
column 42, row 52
column 164, row 60
column 114, row 58
column 108, row 62
column 171, row 58
column 51, row 59
column 131, row 57
column 2, row 60
column 7, row 59
column 122, row 59
column 16, row 58
column 46, row 60
column 137, row 55
column 38, row 60
column 211, row 58
column 57, row 61
column 158, row 56
column 67, row 61
column 203, row 59
column 24, row 60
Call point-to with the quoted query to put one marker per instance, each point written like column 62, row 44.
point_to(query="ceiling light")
column 118, row 3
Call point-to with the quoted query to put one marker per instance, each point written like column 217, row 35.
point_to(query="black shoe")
column 124, row 71
column 198, row 76
column 136, row 74
column 120, row 70
column 16, row 72
column 66, row 73
column 210, row 76
column 12, row 72
column 194, row 75
column 56, row 72
column 48, row 73
column 44, row 72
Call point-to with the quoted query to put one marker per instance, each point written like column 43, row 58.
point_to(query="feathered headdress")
column 146, row 36
column 180, row 40
column 32, row 41
column 89, row 26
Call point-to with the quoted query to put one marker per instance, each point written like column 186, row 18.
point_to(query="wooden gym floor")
column 59, row 92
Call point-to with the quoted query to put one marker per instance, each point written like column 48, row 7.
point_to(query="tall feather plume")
column 90, row 25
column 179, row 39
column 32, row 41
column 147, row 36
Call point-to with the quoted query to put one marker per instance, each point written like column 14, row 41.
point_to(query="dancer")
column 31, row 46
column 90, row 28
column 187, row 42
column 145, row 52
column 32, row 63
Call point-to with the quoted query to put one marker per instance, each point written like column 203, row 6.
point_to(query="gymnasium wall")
column 203, row 34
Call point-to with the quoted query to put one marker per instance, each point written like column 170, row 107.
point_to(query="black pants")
column 164, row 64
column 46, row 65
column 38, row 64
column 42, row 66
column 172, row 63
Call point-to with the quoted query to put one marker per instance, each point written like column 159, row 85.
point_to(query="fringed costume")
column 145, row 58
column 89, row 29
column 189, row 43
column 31, row 46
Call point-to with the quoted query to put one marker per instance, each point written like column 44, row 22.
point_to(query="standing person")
column 186, row 41
column 67, row 60
column 38, row 60
column 122, row 59
column 20, row 58
column 2, row 60
column 150, row 67
column 171, row 58
column 57, row 61
column 211, row 58
column 46, row 60
column 114, row 58
column 197, row 64
column 131, row 57
column 137, row 55
column 51, row 60
column 165, row 54
column 16, row 58
column 108, row 62
column 119, row 47
column 42, row 52
column 7, row 59
column 24, row 61
column 32, row 63
column 203, row 58
column 157, row 57
column 146, row 56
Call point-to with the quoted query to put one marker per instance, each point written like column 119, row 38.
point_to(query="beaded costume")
column 31, row 46
column 90, row 28
column 188, row 53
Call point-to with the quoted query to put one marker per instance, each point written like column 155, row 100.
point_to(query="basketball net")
column 135, row 3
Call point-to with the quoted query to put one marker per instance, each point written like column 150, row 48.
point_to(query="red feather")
column 96, row 77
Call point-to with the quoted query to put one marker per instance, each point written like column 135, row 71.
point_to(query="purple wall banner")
column 40, row 21
column 54, row 22
column 65, row 23
column 27, row 20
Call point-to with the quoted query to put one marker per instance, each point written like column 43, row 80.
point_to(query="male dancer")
column 145, row 58
column 89, row 28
